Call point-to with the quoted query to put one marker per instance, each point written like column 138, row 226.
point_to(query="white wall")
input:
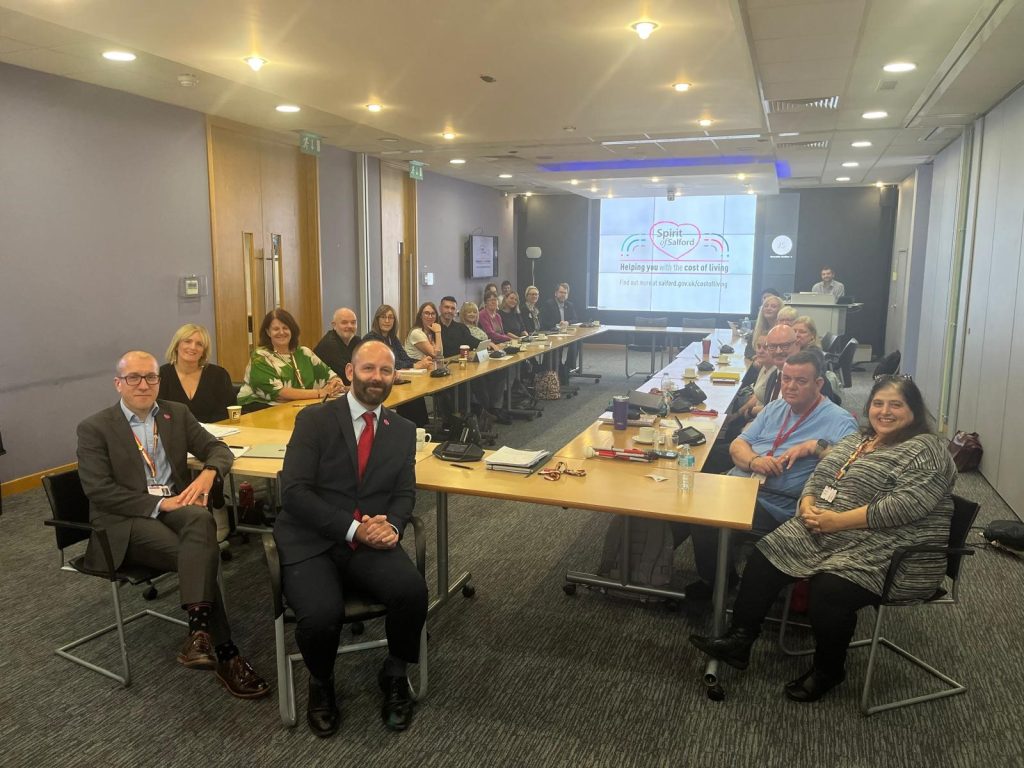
column 994, row 353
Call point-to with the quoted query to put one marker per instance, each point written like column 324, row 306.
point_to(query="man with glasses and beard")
column 348, row 488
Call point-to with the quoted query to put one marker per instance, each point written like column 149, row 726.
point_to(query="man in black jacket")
column 557, row 310
column 335, row 348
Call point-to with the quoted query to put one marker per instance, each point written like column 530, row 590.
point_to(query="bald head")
column 780, row 340
column 344, row 323
column 136, row 357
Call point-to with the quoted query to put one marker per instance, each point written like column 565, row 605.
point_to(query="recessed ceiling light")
column 861, row 144
column 457, row 161
column 287, row 108
column 705, row 123
column 375, row 107
column 504, row 175
column 118, row 56
column 879, row 184
column 569, row 128
column 842, row 178
column 529, row 194
column 900, row 66
column 750, row 191
column 741, row 176
column 609, row 194
column 875, row 115
column 644, row 29
column 593, row 189
column 448, row 135
column 680, row 87
column 188, row 81
column 255, row 62
column 574, row 182
column 655, row 179
column 851, row 164
column 388, row 139
column 788, row 134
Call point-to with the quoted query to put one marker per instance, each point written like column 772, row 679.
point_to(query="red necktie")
column 363, row 457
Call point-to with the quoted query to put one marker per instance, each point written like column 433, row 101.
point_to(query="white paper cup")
column 235, row 412
column 690, row 373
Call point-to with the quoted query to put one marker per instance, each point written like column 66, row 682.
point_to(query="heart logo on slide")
column 673, row 239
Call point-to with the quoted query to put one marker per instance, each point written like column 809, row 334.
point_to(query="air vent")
column 886, row 85
column 777, row 106
column 492, row 158
column 820, row 144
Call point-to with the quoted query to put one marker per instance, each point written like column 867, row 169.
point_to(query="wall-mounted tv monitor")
column 481, row 256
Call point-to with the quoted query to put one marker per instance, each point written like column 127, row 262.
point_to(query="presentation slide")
column 691, row 254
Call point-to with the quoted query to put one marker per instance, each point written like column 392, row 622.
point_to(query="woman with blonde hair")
column 806, row 333
column 189, row 377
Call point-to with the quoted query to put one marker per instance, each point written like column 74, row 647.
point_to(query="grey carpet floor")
column 521, row 674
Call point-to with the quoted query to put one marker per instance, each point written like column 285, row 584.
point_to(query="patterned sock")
column 198, row 617
column 226, row 651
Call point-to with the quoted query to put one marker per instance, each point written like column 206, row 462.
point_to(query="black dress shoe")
column 733, row 648
column 322, row 709
column 812, row 685
column 396, row 711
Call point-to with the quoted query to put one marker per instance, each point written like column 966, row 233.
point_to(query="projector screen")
column 692, row 254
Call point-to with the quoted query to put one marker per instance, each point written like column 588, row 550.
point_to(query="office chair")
column 964, row 514
column 656, row 342
column 358, row 609
column 889, row 365
column 71, row 525
column 843, row 362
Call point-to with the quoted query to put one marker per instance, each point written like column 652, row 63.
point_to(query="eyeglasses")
column 894, row 377
column 134, row 379
column 553, row 473
column 389, row 316
column 778, row 347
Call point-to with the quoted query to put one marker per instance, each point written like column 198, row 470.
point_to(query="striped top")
column 906, row 488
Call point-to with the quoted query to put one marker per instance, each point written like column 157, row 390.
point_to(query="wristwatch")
column 823, row 445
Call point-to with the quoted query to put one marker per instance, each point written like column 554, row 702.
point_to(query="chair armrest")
column 274, row 571
column 421, row 545
column 901, row 553
column 101, row 537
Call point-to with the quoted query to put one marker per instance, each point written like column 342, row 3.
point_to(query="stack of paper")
column 412, row 371
column 507, row 459
column 645, row 420
column 218, row 430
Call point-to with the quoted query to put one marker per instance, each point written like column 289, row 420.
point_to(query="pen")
column 460, row 466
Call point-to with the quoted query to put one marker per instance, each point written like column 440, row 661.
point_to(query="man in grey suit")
column 349, row 486
column 132, row 460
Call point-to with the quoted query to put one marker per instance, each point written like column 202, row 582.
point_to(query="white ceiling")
column 569, row 75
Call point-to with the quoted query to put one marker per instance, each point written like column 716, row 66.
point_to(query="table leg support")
column 444, row 588
column 718, row 622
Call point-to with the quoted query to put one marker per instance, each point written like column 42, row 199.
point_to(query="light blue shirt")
column 827, row 422
column 144, row 429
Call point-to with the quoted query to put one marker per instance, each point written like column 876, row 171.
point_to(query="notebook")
column 266, row 451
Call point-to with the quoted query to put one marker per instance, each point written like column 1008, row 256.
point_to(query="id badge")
column 828, row 493
column 162, row 491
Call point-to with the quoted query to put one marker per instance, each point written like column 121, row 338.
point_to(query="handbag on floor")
column 548, row 387
column 966, row 450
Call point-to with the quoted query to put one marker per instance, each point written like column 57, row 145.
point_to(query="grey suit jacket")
column 320, row 485
column 114, row 476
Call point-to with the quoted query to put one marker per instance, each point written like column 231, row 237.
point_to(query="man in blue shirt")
column 781, row 446
column 132, row 461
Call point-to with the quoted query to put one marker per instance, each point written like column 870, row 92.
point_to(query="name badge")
column 163, row 491
column 828, row 493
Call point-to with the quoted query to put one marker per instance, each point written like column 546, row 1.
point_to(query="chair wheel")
column 569, row 589
column 716, row 693
column 357, row 627
column 468, row 590
column 150, row 594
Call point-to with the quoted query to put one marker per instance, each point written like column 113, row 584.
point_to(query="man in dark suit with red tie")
column 348, row 488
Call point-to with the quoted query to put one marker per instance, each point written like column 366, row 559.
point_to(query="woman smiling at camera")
column 189, row 377
column 885, row 488
column 280, row 369
column 383, row 328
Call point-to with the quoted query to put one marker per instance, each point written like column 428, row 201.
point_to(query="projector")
column 670, row 196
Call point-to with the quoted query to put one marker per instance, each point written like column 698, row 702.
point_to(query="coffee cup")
column 422, row 436
column 235, row 412
column 723, row 359
column 690, row 373
column 645, row 435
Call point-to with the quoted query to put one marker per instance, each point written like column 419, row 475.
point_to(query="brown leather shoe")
column 241, row 679
column 197, row 652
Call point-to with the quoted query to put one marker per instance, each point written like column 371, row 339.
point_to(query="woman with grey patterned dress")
column 885, row 488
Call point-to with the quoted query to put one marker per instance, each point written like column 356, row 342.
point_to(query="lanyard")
column 150, row 463
column 295, row 368
column 781, row 437
column 861, row 449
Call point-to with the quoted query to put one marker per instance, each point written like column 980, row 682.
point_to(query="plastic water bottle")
column 745, row 325
column 687, row 461
column 667, row 387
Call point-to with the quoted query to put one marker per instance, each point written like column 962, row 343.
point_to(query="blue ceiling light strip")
column 649, row 163
column 782, row 169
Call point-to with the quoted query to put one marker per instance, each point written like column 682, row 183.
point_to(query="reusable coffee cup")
column 235, row 412
column 706, row 344
column 464, row 352
column 620, row 411
column 645, row 435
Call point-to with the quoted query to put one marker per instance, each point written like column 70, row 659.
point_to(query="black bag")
column 1006, row 533
column 687, row 397
column 966, row 450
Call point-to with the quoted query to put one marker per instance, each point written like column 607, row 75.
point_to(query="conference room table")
column 611, row 486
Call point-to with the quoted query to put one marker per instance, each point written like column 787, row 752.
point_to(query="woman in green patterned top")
column 281, row 370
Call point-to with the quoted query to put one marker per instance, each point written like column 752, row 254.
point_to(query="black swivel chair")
column 70, row 508
column 358, row 609
column 889, row 365
column 964, row 514
column 843, row 363
column 651, row 343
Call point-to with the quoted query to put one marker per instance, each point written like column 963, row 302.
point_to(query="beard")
column 371, row 392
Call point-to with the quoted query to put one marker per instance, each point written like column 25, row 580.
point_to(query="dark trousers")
column 185, row 541
column 314, row 590
column 705, row 544
column 832, row 609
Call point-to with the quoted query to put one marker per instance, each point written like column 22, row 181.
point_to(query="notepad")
column 218, row 430
column 507, row 459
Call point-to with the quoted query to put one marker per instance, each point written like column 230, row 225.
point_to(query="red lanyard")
column 781, row 437
column 150, row 463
